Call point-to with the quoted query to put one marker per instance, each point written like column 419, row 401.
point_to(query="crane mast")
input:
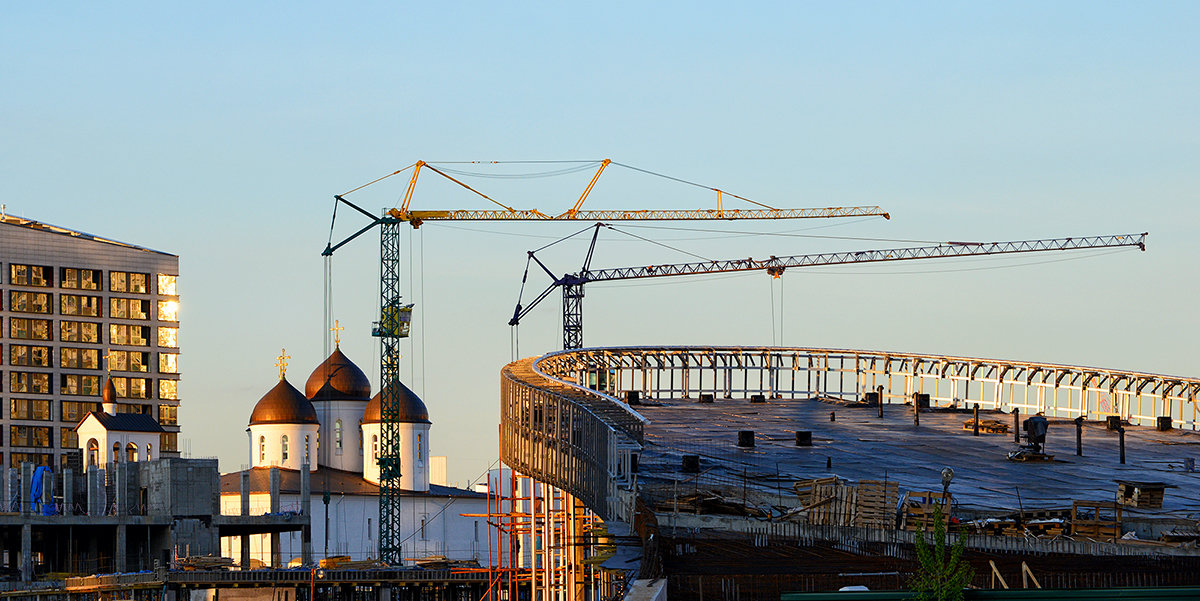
column 572, row 284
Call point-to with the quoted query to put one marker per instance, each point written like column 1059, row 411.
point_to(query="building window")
column 78, row 385
column 283, row 445
column 129, row 361
column 32, row 409
column 68, row 438
column 29, row 436
column 73, row 411
column 374, row 449
column 32, row 356
column 131, row 408
column 37, row 459
column 116, row 452
column 168, row 390
column 82, row 279
column 93, row 453
column 79, row 331
column 168, row 310
column 423, row 529
column 131, row 388
column 168, row 337
column 76, row 304
column 20, row 381
column 121, row 281
column 128, row 335
column 28, row 329
column 31, row 275
column 420, row 450
column 166, row 285
column 131, row 452
column 29, row 302
column 148, row 455
column 306, row 452
column 168, row 415
column 79, row 358
column 262, row 449
column 337, row 436
column 128, row 308
column 168, row 442
column 168, row 363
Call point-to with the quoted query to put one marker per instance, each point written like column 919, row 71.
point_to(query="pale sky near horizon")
column 221, row 131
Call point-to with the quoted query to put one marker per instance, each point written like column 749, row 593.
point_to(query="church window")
column 420, row 450
column 116, row 452
column 374, row 449
column 148, row 455
column 262, row 449
column 131, row 453
column 284, row 444
column 337, row 436
column 93, row 450
column 307, row 461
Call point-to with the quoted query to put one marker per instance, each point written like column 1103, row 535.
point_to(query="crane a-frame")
column 572, row 283
column 393, row 324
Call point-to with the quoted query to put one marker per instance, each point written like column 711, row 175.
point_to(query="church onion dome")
column 109, row 394
column 283, row 404
column 412, row 410
column 337, row 379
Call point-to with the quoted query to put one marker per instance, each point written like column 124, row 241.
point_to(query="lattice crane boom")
column 572, row 283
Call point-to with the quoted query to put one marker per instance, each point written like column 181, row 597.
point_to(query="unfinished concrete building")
column 750, row 472
column 131, row 517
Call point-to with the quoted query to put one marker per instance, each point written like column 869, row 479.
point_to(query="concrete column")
column 96, row 500
column 26, row 551
column 244, row 559
column 306, row 509
column 26, row 482
column 119, row 550
column 47, row 489
column 121, row 486
column 276, row 551
column 68, row 504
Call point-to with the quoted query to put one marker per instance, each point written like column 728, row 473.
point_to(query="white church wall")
column 349, row 457
column 354, row 525
column 268, row 441
column 414, row 455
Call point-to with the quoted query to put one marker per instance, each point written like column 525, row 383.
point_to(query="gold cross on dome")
column 337, row 332
column 281, row 362
column 108, row 357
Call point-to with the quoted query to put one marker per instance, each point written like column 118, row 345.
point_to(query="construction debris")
column 208, row 562
column 1148, row 495
column 987, row 426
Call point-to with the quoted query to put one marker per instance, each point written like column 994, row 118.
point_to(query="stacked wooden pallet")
column 876, row 506
column 1096, row 519
column 917, row 510
column 833, row 504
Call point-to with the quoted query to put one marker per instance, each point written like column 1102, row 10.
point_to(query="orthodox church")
column 333, row 430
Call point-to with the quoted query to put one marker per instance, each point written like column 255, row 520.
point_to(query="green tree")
column 942, row 574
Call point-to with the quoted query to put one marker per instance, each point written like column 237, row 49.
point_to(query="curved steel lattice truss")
column 563, row 423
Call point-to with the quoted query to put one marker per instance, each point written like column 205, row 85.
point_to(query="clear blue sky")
column 220, row 132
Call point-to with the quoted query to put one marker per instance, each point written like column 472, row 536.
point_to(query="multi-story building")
column 78, row 308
